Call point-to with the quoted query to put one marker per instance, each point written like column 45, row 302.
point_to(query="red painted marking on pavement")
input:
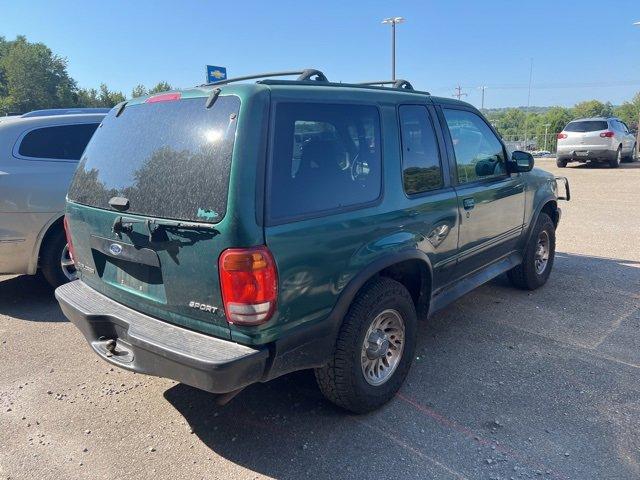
column 452, row 424
column 414, row 450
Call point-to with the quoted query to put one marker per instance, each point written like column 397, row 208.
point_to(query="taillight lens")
column 561, row 135
column 67, row 234
column 607, row 134
column 164, row 97
column 249, row 284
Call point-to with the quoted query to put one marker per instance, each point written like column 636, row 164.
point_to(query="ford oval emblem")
column 115, row 248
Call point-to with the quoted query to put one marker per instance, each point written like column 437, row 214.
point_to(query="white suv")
column 596, row 140
column 39, row 152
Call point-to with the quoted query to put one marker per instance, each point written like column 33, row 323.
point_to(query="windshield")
column 586, row 126
column 169, row 159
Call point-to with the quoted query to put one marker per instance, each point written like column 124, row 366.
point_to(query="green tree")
column 629, row 112
column 160, row 87
column 138, row 91
column 592, row 108
column 32, row 77
column 109, row 98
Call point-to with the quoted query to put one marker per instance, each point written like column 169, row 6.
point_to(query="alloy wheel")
column 382, row 347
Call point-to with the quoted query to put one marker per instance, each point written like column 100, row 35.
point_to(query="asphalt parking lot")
column 505, row 384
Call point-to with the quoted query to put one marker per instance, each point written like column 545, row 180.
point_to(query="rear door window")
column 62, row 142
column 170, row 159
column 586, row 126
column 324, row 157
column 421, row 170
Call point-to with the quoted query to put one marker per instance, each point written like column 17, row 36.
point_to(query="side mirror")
column 520, row 162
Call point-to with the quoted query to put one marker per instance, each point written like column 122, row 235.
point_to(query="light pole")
column 393, row 21
column 546, row 129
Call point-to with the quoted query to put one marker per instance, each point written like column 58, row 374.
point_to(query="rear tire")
column 615, row 162
column 52, row 256
column 561, row 163
column 361, row 345
column 539, row 254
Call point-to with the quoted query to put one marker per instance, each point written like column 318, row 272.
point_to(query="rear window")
column 586, row 126
column 325, row 157
column 170, row 159
column 62, row 142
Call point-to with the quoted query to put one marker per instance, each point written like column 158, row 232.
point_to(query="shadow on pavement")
column 597, row 165
column 29, row 297
column 501, row 386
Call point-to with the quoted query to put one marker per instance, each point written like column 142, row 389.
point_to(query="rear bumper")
column 148, row 345
column 587, row 154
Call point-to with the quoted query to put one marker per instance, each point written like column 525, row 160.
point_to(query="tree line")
column 32, row 77
column 515, row 123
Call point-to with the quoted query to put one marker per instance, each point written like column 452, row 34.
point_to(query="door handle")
column 468, row 203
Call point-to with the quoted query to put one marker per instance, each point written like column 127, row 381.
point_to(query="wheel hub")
column 67, row 264
column 542, row 252
column 382, row 347
column 378, row 345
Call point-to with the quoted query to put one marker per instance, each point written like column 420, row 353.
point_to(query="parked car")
column 39, row 152
column 211, row 251
column 596, row 140
column 541, row 153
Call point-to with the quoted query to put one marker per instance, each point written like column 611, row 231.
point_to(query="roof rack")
column 303, row 75
column 401, row 84
column 64, row 111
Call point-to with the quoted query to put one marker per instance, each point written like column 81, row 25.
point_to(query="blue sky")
column 581, row 49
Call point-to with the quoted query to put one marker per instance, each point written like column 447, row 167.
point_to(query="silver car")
column 596, row 139
column 39, row 152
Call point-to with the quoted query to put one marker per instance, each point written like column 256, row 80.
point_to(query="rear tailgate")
column 585, row 135
column 171, row 160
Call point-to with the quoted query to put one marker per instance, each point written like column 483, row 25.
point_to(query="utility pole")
column 526, row 117
column 393, row 21
column 483, row 88
column 459, row 93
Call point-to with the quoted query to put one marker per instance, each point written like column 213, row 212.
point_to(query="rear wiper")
column 213, row 96
column 125, row 225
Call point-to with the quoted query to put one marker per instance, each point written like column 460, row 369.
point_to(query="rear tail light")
column 164, row 97
column 67, row 234
column 249, row 284
column 561, row 135
column 607, row 134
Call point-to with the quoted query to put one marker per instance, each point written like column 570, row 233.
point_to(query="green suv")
column 235, row 232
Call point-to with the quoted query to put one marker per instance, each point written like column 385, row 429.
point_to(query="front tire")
column 55, row 262
column 374, row 348
column 539, row 255
column 561, row 163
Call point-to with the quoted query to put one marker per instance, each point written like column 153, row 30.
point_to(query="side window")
column 324, row 156
column 421, row 170
column 479, row 153
column 623, row 127
column 63, row 142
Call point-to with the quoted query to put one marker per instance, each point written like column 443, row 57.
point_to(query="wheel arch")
column 549, row 206
column 54, row 224
column 407, row 267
